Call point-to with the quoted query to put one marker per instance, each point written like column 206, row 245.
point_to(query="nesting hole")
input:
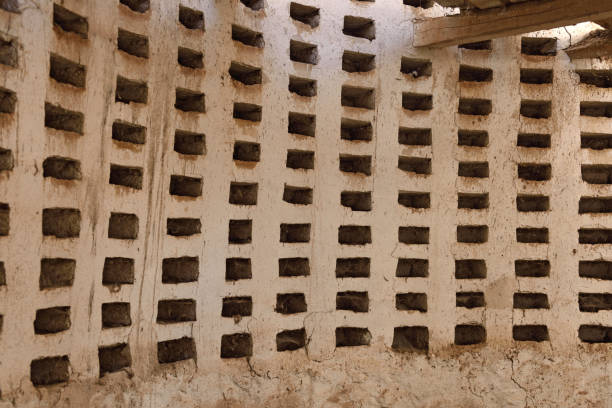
column 126, row 176
column 139, row 6
column 133, row 44
column 52, row 320
column 595, row 205
column 303, row 52
column 8, row 101
column 297, row 195
column 527, row 268
column 12, row 6
column 61, row 222
column 473, row 201
column 469, row 73
column 129, row 132
column 70, row 22
column 247, row 111
column 595, row 269
column 8, row 51
column 291, row 267
column 56, row 273
column 290, row 303
column 536, row 109
column 530, row 332
column 478, row 46
column 411, row 339
column 596, row 109
column 416, row 200
column 416, row 67
column 536, row 76
column 185, row 186
column 123, row 226
column 171, row 351
column 352, row 268
column 417, row 102
column 470, row 269
column 472, row 234
column 357, row 302
column 352, row 336
column 59, row 118
column 411, row 301
column 245, row 74
column 414, row 136
column 356, row 200
column 189, row 101
column 532, row 203
column 254, row 5
column 358, row 62
column 289, row 340
column 4, row 219
column 49, row 371
column 118, row 271
column 354, row 235
column 7, row 161
column 413, row 235
column 590, row 333
column 356, row 164
column 191, row 18
column 238, row 268
column 302, row 86
column 478, row 107
column 356, row 130
column 183, row 269
column 236, row 345
column 533, row 140
column 420, row 3
column 360, row 27
column 305, row 14
column 116, row 314
column 176, row 311
column 594, row 302
column 596, row 141
column 183, row 227
column 535, row 172
column 300, row 159
column 190, row 58
column 473, row 169
column 246, row 151
column 114, row 358
column 295, row 233
column 469, row 334
column 532, row 235
column 62, row 168
column 67, row 72
column 357, row 97
column 530, row 301
column 247, row 36
column 189, row 143
column 470, row 300
column 237, row 306
column 473, row 138
column 243, row 193
column 240, row 231
column 417, row 165
column 539, row 46
column 599, row 78
column 2, row 275
column 129, row 90
column 412, row 268
column 302, row 124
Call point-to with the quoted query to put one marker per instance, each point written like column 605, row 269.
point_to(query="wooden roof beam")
column 514, row 19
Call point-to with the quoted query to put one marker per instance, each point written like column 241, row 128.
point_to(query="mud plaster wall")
column 90, row 272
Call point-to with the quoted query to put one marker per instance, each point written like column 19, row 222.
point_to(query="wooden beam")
column 596, row 45
column 511, row 20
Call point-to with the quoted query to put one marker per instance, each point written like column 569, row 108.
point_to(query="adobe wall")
column 207, row 208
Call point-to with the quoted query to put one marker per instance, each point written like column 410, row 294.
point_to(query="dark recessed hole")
column 185, row 186
column 4, row 219
column 534, row 172
column 470, row 269
column 297, row 195
column 468, row 334
column 302, row 86
column 357, row 200
column 480, row 107
column 354, row 235
column 59, row 118
column 289, row 340
column 295, row 233
column 139, row 6
column 132, row 43
column 475, row 74
column 246, row 151
column 536, row 109
column 131, row 91
column 49, row 371
column 352, row 336
column 183, row 227
column 303, row 52
column 597, row 173
column 478, row 46
column 419, row 3
column 536, row 140
column 238, row 268
column 417, row 165
column 243, row 193
column 52, row 320
column 595, row 334
column 360, row 27
column 413, row 235
column 414, row 199
column 473, row 201
column 356, row 164
column 596, row 205
column 470, row 300
column 599, row 78
column 254, row 5
column 240, row 231
column 116, row 315
column 596, row 141
column 62, row 168
column 2, row 274
column 538, row 46
column 357, row 302
column 129, row 132
column 8, row 51
column 416, row 67
column 358, row 62
column 7, row 161
column 114, row 358
column 118, row 271
column 247, row 111
column 352, row 267
column 189, row 143
column 357, row 97
column 302, row 124
column 532, row 235
column 69, row 21
column 414, row 136
column 536, row 76
column 126, row 176
column 473, row 169
column 171, row 351
column 56, row 273
column 67, row 72
column 247, row 36
column 411, row 339
column 596, row 109
column 288, row 267
column 594, row 236
column 412, row 268
column 176, row 311
column 474, row 138
column 61, row 222
column 290, row 303
column 417, row 102
column 8, row 100
column 305, row 14
column 190, row 18
column 595, row 269
column 237, row 306
column 246, row 74
column 123, row 226
column 300, row 159
column 189, row 101
column 236, row 345
column 594, row 302
column 12, row 6
column 532, row 203
column 180, row 270
column 530, row 333
column 411, row 301
column 190, row 58
column 530, row 301
column 359, row 130
column 532, row 268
